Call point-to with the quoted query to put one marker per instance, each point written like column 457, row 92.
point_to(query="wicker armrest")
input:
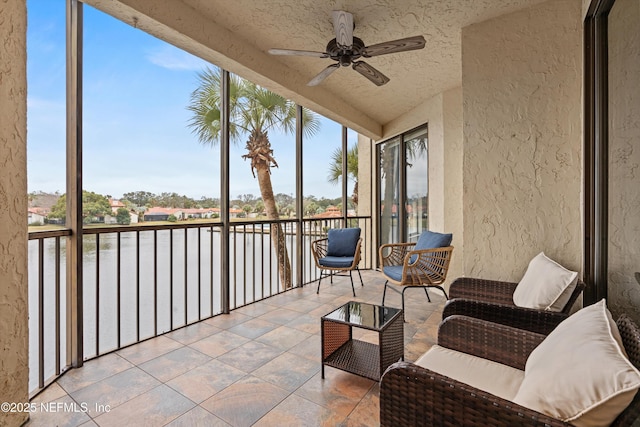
column 538, row 321
column 414, row 396
column 319, row 249
column 394, row 253
column 483, row 289
column 503, row 344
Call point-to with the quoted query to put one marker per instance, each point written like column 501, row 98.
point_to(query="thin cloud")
column 175, row 59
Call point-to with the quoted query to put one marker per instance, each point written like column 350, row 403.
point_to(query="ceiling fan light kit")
column 346, row 50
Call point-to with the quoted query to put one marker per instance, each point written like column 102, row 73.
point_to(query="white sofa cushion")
column 580, row 373
column 498, row 379
column 546, row 285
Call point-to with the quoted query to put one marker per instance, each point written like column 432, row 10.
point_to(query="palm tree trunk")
column 354, row 196
column 261, row 155
column 277, row 233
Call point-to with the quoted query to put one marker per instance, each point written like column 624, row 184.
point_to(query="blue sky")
column 136, row 89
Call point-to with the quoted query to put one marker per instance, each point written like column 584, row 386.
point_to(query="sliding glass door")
column 403, row 186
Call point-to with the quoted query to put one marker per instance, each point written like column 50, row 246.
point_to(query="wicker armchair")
column 492, row 300
column 422, row 264
column 338, row 254
column 411, row 395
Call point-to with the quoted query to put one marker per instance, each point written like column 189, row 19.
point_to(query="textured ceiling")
column 256, row 26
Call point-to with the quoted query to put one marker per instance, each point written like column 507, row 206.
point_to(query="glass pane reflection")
column 363, row 315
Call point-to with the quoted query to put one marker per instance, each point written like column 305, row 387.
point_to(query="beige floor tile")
column 197, row 417
column 175, row 363
column 156, row 407
column 339, row 391
column 193, row 333
column 60, row 412
column 296, row 411
column 283, row 338
column 115, row 390
column 254, row 328
column 367, row 413
column 150, row 349
column 226, row 321
column 93, row 371
column 250, row 356
column 288, row 371
column 309, row 348
column 219, row 343
column 245, row 402
column 202, row 382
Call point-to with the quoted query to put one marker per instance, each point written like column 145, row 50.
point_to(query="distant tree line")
column 96, row 206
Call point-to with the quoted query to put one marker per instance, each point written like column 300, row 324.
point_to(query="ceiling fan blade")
column 371, row 73
column 343, row 25
column 323, row 75
column 400, row 45
column 293, row 52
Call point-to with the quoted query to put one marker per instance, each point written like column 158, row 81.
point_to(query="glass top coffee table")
column 341, row 351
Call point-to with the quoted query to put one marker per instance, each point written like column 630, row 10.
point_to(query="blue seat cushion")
column 342, row 242
column 336, row 261
column 394, row 272
column 430, row 240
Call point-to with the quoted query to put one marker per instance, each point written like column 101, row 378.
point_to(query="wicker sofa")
column 542, row 299
column 492, row 300
column 414, row 395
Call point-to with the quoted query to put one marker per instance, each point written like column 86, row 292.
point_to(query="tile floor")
column 259, row 365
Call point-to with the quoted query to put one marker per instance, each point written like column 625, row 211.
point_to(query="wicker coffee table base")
column 341, row 351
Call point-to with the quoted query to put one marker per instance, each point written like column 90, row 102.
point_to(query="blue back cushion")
column 343, row 241
column 431, row 239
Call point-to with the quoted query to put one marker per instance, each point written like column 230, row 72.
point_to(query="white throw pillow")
column 579, row 373
column 546, row 285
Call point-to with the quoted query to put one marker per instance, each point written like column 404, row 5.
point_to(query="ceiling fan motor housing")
column 345, row 56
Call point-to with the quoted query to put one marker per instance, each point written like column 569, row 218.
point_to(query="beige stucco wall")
column 521, row 80
column 452, row 177
column 624, row 157
column 14, row 373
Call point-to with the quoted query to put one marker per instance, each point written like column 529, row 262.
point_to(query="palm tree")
column 253, row 111
column 335, row 169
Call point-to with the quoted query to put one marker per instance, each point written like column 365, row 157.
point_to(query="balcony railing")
column 143, row 281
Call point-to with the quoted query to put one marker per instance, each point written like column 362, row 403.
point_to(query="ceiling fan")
column 346, row 49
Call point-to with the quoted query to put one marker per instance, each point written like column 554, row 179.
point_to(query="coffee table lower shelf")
column 358, row 357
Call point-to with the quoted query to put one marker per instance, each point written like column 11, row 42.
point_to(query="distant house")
column 112, row 219
column 35, row 216
column 330, row 212
column 115, row 205
column 162, row 214
column 201, row 212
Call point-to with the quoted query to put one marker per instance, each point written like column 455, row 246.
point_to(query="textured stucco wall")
column 521, row 80
column 452, row 174
column 624, row 157
column 14, row 373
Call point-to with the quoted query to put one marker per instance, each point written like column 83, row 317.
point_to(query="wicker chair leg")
column 319, row 281
column 426, row 292
column 361, row 282
column 384, row 293
column 403, row 311
column 352, row 288
column 443, row 291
